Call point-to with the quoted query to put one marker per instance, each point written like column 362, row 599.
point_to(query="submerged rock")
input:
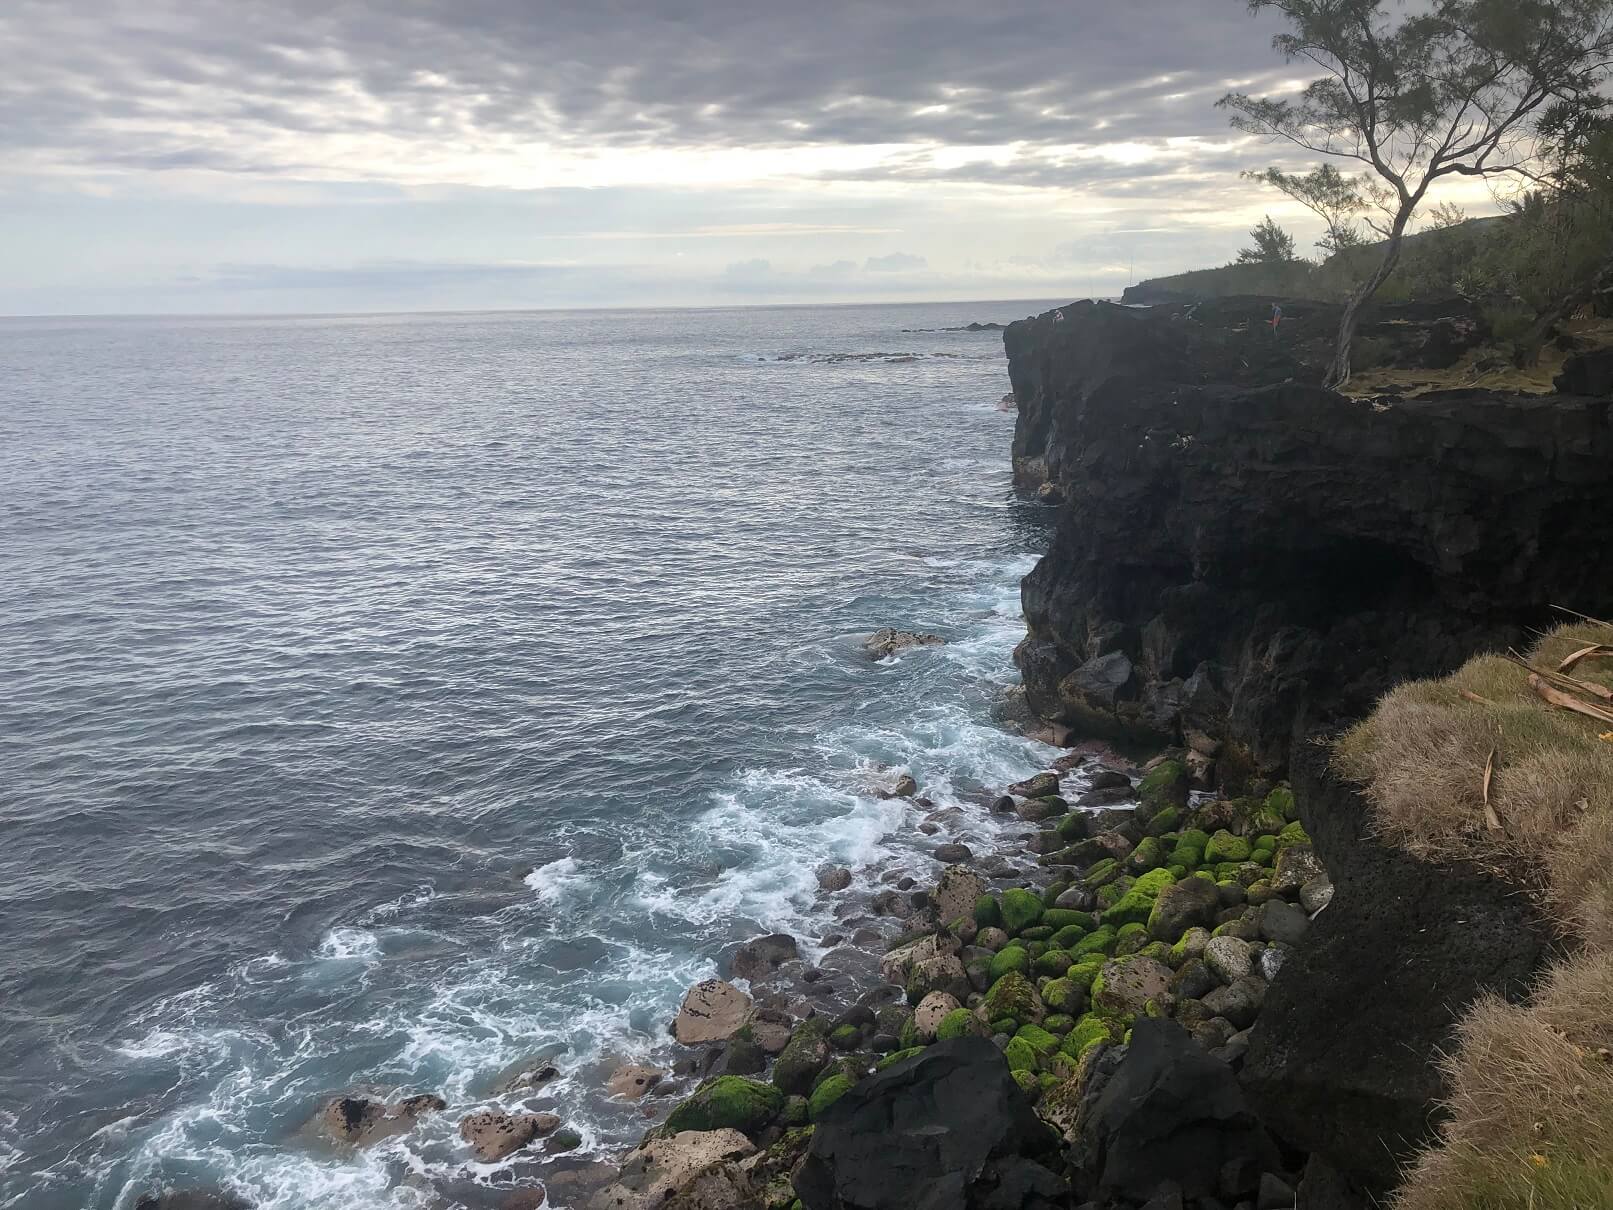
column 633, row 1080
column 494, row 1134
column 762, row 956
column 358, row 1121
column 888, row 642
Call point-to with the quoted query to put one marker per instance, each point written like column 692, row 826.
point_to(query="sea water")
column 385, row 700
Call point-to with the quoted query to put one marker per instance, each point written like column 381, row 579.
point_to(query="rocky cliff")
column 1245, row 558
column 1243, row 562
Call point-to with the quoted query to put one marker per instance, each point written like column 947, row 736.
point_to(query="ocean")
column 388, row 700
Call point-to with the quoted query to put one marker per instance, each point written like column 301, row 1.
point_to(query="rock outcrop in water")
column 1245, row 562
column 1248, row 557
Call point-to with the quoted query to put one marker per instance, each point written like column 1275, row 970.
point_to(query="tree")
column 1333, row 197
column 1443, row 88
column 1273, row 245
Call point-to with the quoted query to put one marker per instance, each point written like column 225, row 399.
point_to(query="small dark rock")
column 953, row 854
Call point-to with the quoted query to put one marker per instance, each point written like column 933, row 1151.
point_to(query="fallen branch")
column 1566, row 701
column 1491, row 819
column 1596, row 651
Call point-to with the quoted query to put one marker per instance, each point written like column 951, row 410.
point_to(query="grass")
column 1499, row 375
column 1531, row 1085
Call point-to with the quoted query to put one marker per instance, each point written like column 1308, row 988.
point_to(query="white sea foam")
column 350, row 945
column 554, row 881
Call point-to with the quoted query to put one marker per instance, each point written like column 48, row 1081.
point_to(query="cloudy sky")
column 320, row 155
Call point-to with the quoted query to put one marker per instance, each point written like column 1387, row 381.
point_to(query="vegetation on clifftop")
column 1490, row 765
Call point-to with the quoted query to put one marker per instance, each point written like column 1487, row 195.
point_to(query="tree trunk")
column 1339, row 372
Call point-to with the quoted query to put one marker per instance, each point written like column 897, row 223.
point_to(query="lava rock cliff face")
column 1241, row 562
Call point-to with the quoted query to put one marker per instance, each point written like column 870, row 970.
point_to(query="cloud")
column 895, row 262
column 839, row 268
column 749, row 270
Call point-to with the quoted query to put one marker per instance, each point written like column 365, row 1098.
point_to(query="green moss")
column 1038, row 1039
column 1064, row 996
column 1153, row 882
column 795, row 1112
column 1037, row 932
column 846, row 1037
column 958, row 1023
column 1054, row 963
column 909, row 1038
column 1100, row 942
column 1069, row 935
column 1112, row 893
column 1089, row 1030
column 1013, row 958
column 1021, row 909
column 1133, row 908
column 1036, row 949
column 1149, row 855
column 1101, row 873
column 1281, row 802
column 1013, row 996
column 1059, row 1023
column 825, row 1095
column 1157, row 950
column 1060, row 919
column 1165, row 823
column 1294, row 833
column 987, row 912
column 1004, row 1025
column 1177, row 872
column 1029, row 1082
column 728, row 1103
column 1050, row 897
column 896, row 1056
column 1073, row 827
column 1224, row 847
column 1020, row 1054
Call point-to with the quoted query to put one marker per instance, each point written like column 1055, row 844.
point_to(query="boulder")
column 1239, row 1002
column 931, row 1011
column 712, row 1011
column 834, row 878
column 896, row 965
column 727, row 1103
column 633, row 1080
column 1126, row 985
column 358, row 1121
column 953, row 853
column 1171, row 1117
column 1043, row 785
column 1192, row 902
column 1279, row 921
column 943, row 973
column 494, row 1134
column 1228, row 957
column 946, row 1128
column 887, row 642
column 1316, row 894
column 662, row 1167
column 1296, row 865
column 770, row 1029
column 956, row 894
column 761, row 956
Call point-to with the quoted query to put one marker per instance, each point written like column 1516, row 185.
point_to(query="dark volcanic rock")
column 1339, row 1061
column 1171, row 1116
column 191, row 1199
column 763, row 955
column 1272, row 558
column 944, row 1130
column 1588, row 374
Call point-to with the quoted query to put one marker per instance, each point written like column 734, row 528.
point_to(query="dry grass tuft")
column 1421, row 759
column 1531, row 1103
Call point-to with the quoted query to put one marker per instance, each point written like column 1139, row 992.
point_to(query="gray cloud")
column 166, row 84
column 895, row 262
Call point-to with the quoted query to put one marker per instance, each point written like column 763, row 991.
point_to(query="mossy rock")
column 1039, row 1039
column 1059, row 1023
column 1020, row 1054
column 1164, row 824
column 846, row 1037
column 1036, row 949
column 896, row 1056
column 1054, row 963
column 1165, row 785
column 795, row 1112
column 1225, row 847
column 728, row 1103
column 908, row 1039
column 1178, row 872
column 825, row 1095
column 1059, row 919
column 1101, row 873
column 1157, row 950
column 1130, row 944
column 1013, row 996
column 1089, row 1030
column 1260, row 892
column 959, row 1023
column 1030, row 1083
column 1113, row 893
column 803, row 1057
column 1037, row 932
column 1085, row 971
column 1014, row 958
column 1050, row 897
column 1073, row 827
column 1227, row 871
column 1149, row 855
column 1005, row 1025
column 1133, row 908
column 988, row 914
column 1064, row 996
column 1068, row 936
column 1153, row 882
column 1100, row 942
column 1281, row 801
column 1021, row 909
column 1294, row 833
